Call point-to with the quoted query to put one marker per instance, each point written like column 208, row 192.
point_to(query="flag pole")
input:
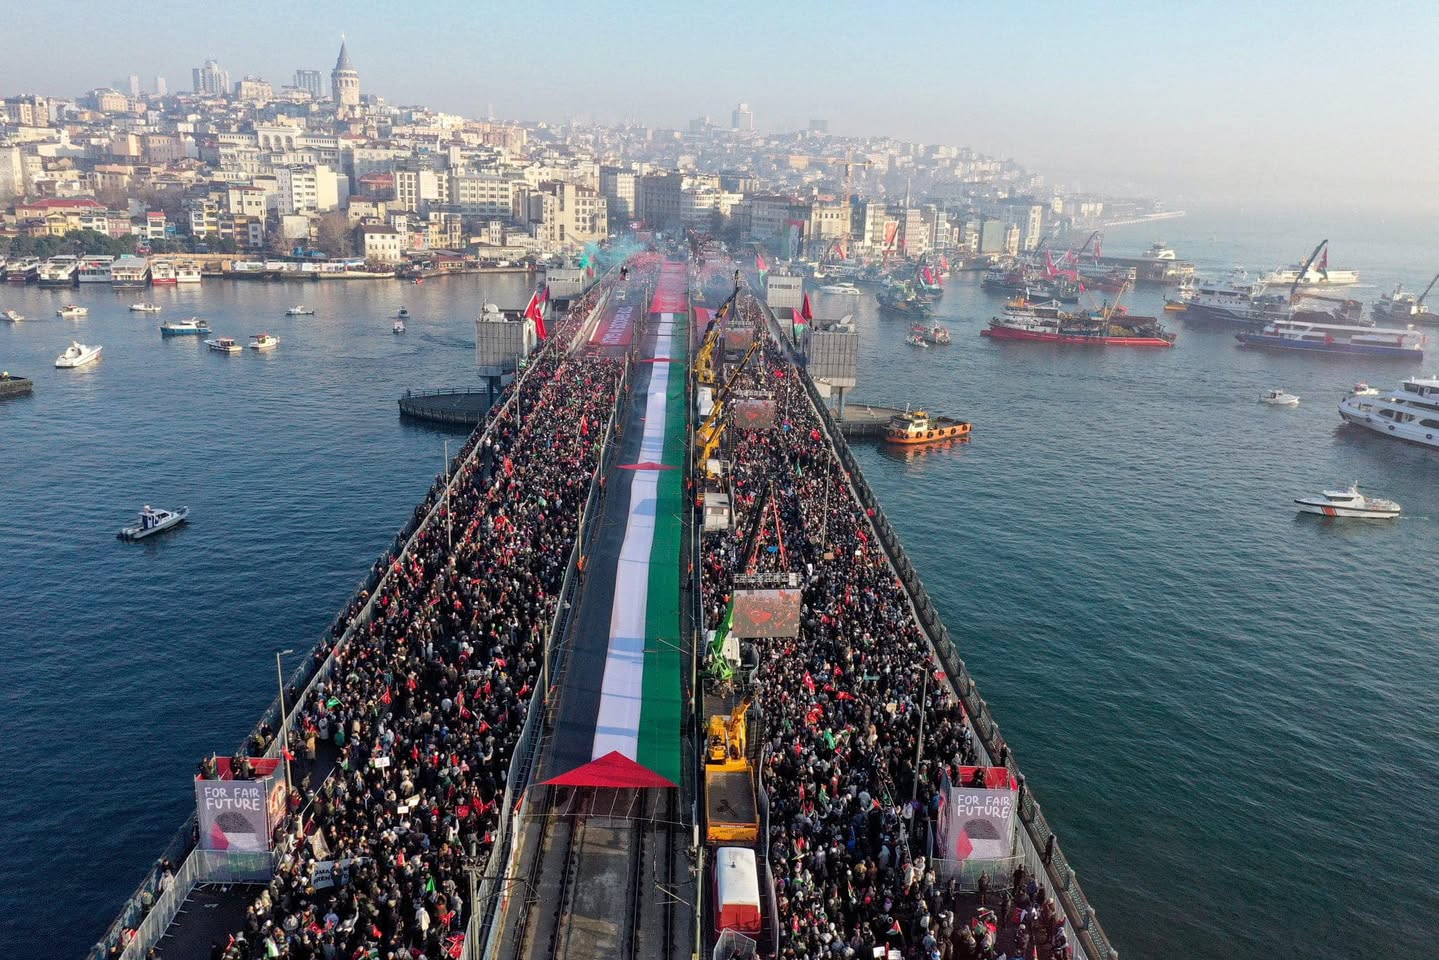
column 284, row 721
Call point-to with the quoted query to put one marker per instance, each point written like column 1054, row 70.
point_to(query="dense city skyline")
column 1222, row 104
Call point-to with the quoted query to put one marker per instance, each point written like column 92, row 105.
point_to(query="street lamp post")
column 284, row 717
column 449, row 536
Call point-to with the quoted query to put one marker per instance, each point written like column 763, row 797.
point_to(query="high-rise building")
column 160, row 88
column 309, row 81
column 210, row 80
column 134, row 85
column 741, row 118
column 345, row 83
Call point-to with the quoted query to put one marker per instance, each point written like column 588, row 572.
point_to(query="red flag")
column 385, row 697
column 285, row 752
column 584, row 426
column 928, row 275
column 805, row 312
column 534, row 311
column 759, row 263
column 545, row 297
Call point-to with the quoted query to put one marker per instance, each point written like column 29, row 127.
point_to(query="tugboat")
column 180, row 328
column 919, row 427
column 1349, row 503
column 153, row 521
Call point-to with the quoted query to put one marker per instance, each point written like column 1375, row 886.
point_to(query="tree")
column 333, row 235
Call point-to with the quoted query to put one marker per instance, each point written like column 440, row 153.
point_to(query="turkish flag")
column 805, row 312
column 535, row 311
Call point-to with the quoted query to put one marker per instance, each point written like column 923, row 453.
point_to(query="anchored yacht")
column 1409, row 413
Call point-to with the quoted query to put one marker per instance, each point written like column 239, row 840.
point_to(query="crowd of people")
column 401, row 757
column 851, row 811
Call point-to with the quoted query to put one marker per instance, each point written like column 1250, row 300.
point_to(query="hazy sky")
column 1323, row 102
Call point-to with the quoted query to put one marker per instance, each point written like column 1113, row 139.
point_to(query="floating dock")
column 463, row 407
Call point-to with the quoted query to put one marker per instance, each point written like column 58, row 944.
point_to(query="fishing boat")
column 144, row 308
column 1405, row 308
column 153, row 521
column 224, row 345
column 1278, row 398
column 72, row 312
column 300, row 311
column 936, row 333
column 12, row 316
column 901, row 299
column 263, row 341
column 1336, row 338
column 1410, row 413
column 1048, row 323
column 77, row 355
column 1349, row 503
column 181, row 328
column 403, row 314
column 911, row 428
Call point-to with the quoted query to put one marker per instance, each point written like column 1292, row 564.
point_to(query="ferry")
column 263, row 341
column 1389, row 342
column 187, row 271
column 181, row 328
column 1401, row 307
column 153, row 521
column 1349, row 503
column 77, row 355
column 99, row 269
column 162, row 272
column 842, row 289
column 59, row 271
column 1234, row 300
column 1158, row 251
column 919, row 427
column 24, row 270
column 130, row 272
column 1316, row 275
column 1409, row 413
column 224, row 345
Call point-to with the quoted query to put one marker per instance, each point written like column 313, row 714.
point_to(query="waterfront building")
column 345, row 84
column 381, row 243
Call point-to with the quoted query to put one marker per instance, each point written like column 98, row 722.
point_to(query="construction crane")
column 706, row 372
column 707, row 437
column 727, row 742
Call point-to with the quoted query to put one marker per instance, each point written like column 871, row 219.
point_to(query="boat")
column 162, row 273
column 72, row 311
column 180, row 328
column 98, row 269
column 263, row 341
column 920, row 427
column 403, row 314
column 187, row 271
column 13, row 386
column 12, row 316
column 144, row 308
column 1362, row 389
column 1278, row 398
column 300, row 311
column 900, row 298
column 844, row 289
column 1349, row 503
column 1317, row 275
column 153, row 521
column 1180, row 301
column 915, row 340
column 1158, row 251
column 399, row 326
column 1048, row 323
column 1405, row 308
column 1409, row 413
column 224, row 345
column 935, row 333
column 1303, row 335
column 59, row 271
column 24, row 270
column 130, row 271
column 77, row 355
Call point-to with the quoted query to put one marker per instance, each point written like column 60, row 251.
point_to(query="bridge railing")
column 1041, row 848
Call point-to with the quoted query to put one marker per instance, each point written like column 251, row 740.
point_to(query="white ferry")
column 1389, row 342
column 187, row 271
column 1234, row 300
column 1319, row 275
column 99, row 269
column 1409, row 413
column 22, row 270
column 162, row 272
column 59, row 271
column 130, row 271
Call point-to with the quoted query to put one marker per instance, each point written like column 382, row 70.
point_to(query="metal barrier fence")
column 1039, row 843
column 134, row 915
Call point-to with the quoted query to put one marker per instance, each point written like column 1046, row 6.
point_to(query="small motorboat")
column 153, row 521
column 263, row 341
column 12, row 316
column 1362, row 389
column 224, row 345
column 1349, row 503
column 843, row 289
column 403, row 314
column 73, row 311
column 915, row 340
column 1278, row 398
column 399, row 327
column 180, row 328
column 300, row 310
column 144, row 308
column 935, row 334
column 77, row 355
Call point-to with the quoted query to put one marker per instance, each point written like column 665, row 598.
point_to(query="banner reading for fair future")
column 977, row 822
column 238, row 815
